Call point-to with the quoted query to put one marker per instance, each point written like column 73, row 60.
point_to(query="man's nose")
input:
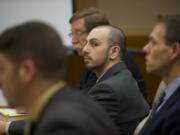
column 85, row 48
column 146, row 48
column 74, row 40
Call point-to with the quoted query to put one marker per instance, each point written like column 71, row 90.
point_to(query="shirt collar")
column 172, row 87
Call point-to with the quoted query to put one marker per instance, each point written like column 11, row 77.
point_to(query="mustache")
column 86, row 57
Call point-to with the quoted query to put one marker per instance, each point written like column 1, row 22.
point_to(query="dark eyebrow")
column 94, row 39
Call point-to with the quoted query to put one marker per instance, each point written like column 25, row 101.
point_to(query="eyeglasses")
column 76, row 34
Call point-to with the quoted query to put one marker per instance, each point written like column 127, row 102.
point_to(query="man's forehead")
column 4, row 59
column 78, row 24
column 159, row 30
column 98, row 33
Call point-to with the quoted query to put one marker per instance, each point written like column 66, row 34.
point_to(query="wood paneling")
column 74, row 69
column 81, row 4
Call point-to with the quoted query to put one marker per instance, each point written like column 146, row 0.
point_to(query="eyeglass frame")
column 77, row 33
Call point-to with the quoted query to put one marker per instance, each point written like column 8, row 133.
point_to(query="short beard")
column 100, row 67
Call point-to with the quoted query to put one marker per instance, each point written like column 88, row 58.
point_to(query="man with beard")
column 115, row 89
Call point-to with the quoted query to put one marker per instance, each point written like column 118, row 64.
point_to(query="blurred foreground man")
column 32, row 59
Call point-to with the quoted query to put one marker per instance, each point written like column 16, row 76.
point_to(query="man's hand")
column 2, row 127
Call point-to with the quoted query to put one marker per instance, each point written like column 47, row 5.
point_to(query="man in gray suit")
column 116, row 90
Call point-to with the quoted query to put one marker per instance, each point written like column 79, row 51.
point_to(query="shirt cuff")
column 7, row 127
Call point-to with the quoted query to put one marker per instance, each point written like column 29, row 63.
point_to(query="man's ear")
column 175, row 50
column 115, row 52
column 27, row 71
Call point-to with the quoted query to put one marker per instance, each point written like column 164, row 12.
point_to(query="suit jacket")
column 118, row 93
column 167, row 120
column 70, row 113
column 89, row 78
column 17, row 127
column 159, row 92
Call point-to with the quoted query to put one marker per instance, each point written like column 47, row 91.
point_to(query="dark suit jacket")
column 70, row 113
column 89, row 78
column 118, row 93
column 167, row 120
column 17, row 127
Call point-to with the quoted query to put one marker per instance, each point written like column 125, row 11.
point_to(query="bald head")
column 115, row 36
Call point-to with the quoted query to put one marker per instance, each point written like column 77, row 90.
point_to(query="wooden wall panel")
column 81, row 4
column 74, row 69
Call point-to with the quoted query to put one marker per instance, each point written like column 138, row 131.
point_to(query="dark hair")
column 93, row 17
column 172, row 23
column 117, row 36
column 36, row 41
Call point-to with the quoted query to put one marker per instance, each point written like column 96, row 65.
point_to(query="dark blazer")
column 118, row 93
column 167, row 120
column 89, row 78
column 17, row 127
column 71, row 113
column 136, row 72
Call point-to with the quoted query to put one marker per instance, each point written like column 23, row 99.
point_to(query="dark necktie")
column 154, row 110
column 159, row 102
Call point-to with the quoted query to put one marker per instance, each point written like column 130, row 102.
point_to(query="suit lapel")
column 170, row 102
column 163, row 110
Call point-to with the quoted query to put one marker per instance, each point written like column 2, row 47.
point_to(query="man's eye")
column 93, row 44
column 153, row 42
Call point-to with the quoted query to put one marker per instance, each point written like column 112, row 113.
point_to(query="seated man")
column 82, row 22
column 159, row 92
column 32, row 59
column 115, row 89
column 162, row 55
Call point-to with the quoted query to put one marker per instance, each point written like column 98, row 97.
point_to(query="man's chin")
column 148, row 69
column 89, row 67
column 152, row 71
